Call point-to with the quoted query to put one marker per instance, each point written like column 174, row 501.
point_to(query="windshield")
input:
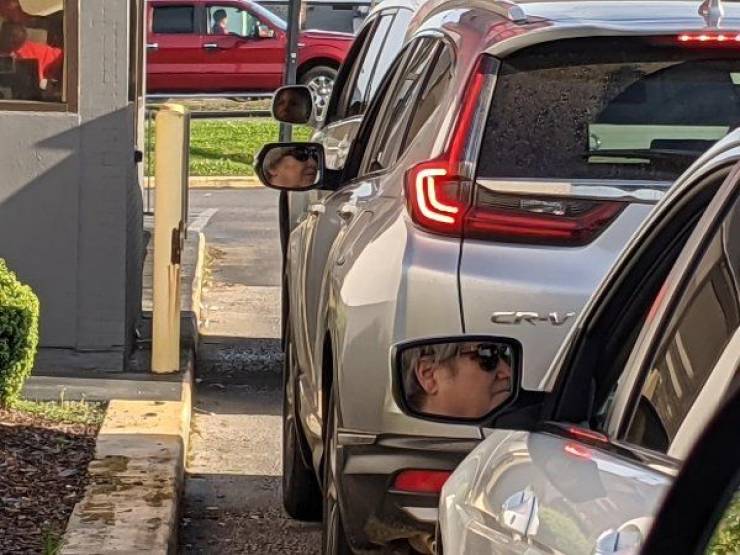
column 609, row 108
column 266, row 15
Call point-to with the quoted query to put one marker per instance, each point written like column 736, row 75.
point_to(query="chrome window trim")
column 642, row 192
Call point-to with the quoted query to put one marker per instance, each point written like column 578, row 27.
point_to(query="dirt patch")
column 43, row 474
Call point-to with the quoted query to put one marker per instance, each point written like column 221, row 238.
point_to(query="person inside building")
column 220, row 23
column 14, row 43
column 457, row 380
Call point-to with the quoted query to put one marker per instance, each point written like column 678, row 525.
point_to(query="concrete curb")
column 132, row 502
column 217, row 182
column 136, row 478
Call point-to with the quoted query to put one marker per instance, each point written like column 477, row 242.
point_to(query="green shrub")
column 19, row 334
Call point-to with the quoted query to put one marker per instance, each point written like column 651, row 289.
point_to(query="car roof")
column 553, row 19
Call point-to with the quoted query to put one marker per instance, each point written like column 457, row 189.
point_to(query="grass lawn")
column 228, row 147
column 63, row 412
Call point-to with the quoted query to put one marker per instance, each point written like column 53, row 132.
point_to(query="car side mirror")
column 293, row 104
column 462, row 379
column 265, row 32
column 291, row 166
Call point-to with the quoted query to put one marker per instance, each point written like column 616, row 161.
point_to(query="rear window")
column 609, row 109
column 173, row 20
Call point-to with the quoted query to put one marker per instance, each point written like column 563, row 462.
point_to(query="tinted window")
column 698, row 333
column 608, row 108
column 173, row 20
column 355, row 94
column 391, row 48
column 431, row 96
column 393, row 119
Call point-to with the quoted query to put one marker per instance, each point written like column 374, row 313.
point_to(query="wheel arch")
column 311, row 63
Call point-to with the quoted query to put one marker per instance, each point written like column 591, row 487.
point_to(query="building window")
column 38, row 55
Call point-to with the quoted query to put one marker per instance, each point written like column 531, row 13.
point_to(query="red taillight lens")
column 436, row 198
column 547, row 221
column 439, row 192
column 588, row 435
column 710, row 38
column 421, row 481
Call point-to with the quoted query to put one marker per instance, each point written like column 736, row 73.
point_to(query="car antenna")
column 712, row 11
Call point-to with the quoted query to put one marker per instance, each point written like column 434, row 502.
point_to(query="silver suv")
column 509, row 154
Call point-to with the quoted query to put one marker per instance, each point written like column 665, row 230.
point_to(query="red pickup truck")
column 232, row 46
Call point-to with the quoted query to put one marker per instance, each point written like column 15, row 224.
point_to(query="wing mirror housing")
column 265, row 32
column 293, row 104
column 291, row 166
column 461, row 379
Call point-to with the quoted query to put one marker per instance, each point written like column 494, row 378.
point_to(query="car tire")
column 301, row 494
column 320, row 80
column 333, row 539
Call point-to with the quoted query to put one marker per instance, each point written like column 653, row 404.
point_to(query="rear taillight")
column 550, row 221
column 710, row 38
column 421, row 481
column 440, row 195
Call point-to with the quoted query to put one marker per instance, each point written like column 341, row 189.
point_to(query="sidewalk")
column 132, row 502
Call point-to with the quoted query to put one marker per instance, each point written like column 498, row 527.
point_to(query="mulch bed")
column 43, row 474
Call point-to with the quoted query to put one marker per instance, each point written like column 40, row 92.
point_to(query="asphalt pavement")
column 232, row 493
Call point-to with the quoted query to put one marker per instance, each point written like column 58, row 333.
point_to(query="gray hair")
column 410, row 358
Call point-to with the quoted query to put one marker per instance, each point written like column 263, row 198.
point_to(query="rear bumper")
column 373, row 513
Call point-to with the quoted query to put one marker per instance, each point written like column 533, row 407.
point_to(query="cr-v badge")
column 532, row 318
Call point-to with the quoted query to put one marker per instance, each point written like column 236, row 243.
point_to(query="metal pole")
column 291, row 60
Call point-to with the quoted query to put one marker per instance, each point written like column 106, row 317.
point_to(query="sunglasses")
column 488, row 355
column 302, row 155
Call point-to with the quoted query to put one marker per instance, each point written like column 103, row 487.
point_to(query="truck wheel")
column 320, row 80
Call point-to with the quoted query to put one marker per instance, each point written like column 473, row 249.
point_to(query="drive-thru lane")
column 232, row 495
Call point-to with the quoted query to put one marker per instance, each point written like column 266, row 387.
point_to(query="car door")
column 174, row 60
column 596, row 489
column 242, row 59
column 329, row 218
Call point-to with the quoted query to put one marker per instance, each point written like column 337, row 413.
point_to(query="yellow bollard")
column 172, row 140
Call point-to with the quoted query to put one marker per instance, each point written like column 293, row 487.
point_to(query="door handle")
column 316, row 209
column 347, row 212
column 211, row 46
column 153, row 46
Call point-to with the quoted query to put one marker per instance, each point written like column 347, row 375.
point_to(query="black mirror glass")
column 465, row 379
column 291, row 166
column 293, row 105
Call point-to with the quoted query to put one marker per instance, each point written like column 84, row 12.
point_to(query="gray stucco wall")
column 70, row 206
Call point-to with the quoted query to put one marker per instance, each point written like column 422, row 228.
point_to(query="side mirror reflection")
column 291, row 166
column 293, row 104
column 465, row 379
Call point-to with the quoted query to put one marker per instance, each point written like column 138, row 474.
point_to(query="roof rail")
column 510, row 10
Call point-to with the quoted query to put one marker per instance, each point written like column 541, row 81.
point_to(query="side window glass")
column 398, row 105
column 704, row 322
column 431, row 96
column 354, row 97
column 175, row 20
column 228, row 20
column 391, row 47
